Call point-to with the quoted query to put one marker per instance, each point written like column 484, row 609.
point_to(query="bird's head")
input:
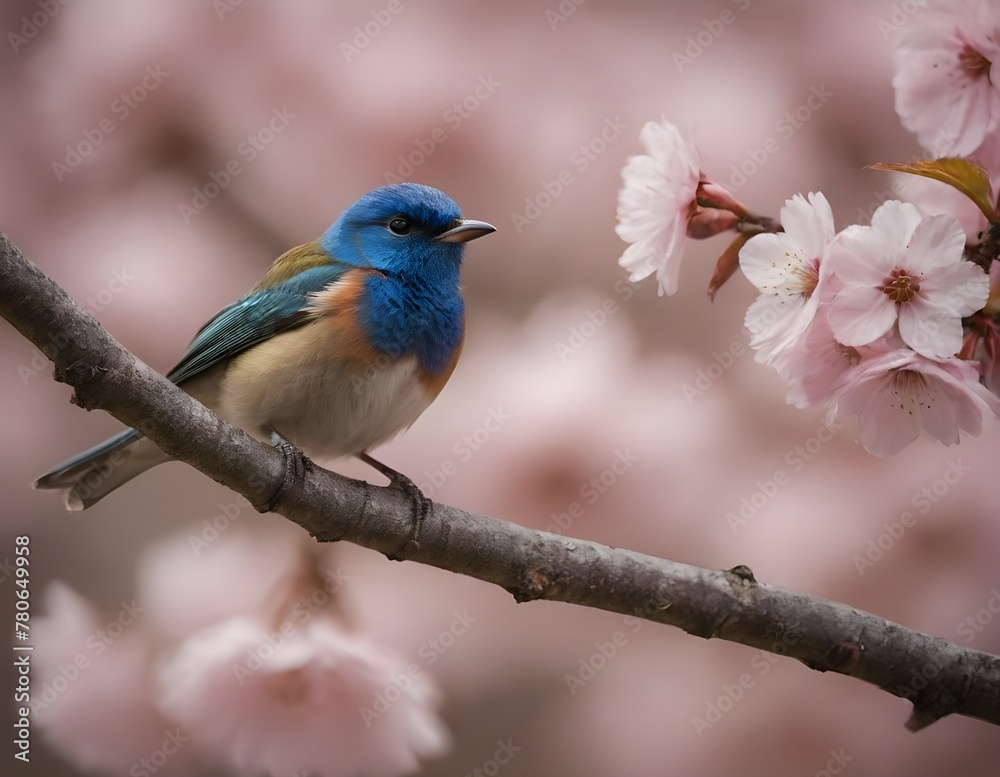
column 403, row 227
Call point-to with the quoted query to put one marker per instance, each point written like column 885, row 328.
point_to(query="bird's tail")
column 90, row 476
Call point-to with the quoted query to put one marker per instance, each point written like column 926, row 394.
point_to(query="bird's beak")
column 466, row 230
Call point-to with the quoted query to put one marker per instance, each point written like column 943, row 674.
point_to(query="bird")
column 342, row 344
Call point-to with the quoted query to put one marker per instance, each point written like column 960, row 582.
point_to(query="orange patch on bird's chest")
column 434, row 383
column 336, row 308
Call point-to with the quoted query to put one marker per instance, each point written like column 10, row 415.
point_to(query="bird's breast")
column 324, row 386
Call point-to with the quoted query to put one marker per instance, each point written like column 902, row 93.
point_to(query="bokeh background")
column 490, row 101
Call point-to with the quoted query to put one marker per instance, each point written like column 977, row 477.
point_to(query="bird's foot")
column 421, row 504
column 297, row 464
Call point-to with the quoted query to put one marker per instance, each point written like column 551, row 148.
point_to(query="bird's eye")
column 399, row 226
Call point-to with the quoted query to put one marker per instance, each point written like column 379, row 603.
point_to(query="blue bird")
column 343, row 343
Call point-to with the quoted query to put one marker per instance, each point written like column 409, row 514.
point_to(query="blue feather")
column 253, row 319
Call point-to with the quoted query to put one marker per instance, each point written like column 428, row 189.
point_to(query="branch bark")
column 940, row 678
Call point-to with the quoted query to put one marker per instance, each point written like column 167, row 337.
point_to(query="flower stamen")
column 909, row 388
column 806, row 276
column 974, row 64
column 900, row 286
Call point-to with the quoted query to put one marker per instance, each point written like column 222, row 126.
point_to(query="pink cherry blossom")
column 656, row 203
column 265, row 678
column 947, row 78
column 909, row 268
column 309, row 698
column 93, row 689
column 789, row 269
column 821, row 367
column 900, row 393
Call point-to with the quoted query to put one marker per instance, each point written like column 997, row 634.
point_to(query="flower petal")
column 810, row 221
column 655, row 203
column 930, row 330
column 765, row 258
column 858, row 315
column 936, row 242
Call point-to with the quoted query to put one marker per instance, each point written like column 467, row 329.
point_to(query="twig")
column 940, row 678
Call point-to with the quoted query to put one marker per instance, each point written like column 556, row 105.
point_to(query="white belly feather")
column 327, row 407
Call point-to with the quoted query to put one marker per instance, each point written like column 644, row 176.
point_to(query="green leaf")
column 965, row 175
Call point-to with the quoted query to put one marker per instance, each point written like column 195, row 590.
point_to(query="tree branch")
column 940, row 678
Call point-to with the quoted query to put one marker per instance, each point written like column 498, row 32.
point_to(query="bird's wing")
column 255, row 318
column 281, row 301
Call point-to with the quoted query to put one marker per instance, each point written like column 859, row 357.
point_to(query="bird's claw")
column 420, row 503
column 297, row 464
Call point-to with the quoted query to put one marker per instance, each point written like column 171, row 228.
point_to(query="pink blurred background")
column 533, row 82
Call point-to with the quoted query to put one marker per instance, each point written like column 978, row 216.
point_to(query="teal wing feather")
column 253, row 319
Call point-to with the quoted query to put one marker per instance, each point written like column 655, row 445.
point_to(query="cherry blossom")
column 909, row 268
column 658, row 205
column 821, row 367
column 301, row 698
column 947, row 78
column 789, row 269
column 94, row 698
column 900, row 393
column 266, row 677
